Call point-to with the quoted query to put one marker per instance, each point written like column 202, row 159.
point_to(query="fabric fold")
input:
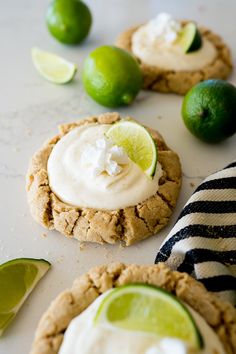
column 203, row 240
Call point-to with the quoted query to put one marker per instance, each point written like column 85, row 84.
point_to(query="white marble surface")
column 30, row 111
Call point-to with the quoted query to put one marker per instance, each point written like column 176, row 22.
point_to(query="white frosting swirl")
column 155, row 44
column 83, row 337
column 110, row 181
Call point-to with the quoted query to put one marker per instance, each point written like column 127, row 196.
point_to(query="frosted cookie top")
column 85, row 337
column 86, row 169
column 156, row 44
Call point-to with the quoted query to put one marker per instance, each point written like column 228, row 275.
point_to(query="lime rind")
column 190, row 38
column 150, row 291
column 152, row 170
column 5, row 320
column 42, row 267
column 136, row 141
column 52, row 67
column 22, row 260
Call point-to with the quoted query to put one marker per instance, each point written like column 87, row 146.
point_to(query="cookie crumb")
column 82, row 246
column 192, row 184
column 28, row 132
column 60, row 259
column 108, row 256
column 44, row 235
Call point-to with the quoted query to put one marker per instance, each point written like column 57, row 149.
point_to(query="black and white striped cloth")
column 203, row 240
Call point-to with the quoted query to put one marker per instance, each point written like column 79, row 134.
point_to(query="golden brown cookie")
column 161, row 80
column 127, row 225
column 221, row 316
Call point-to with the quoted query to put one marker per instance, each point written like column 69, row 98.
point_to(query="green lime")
column 190, row 38
column 209, row 110
column 112, row 76
column 53, row 67
column 69, row 21
column 18, row 278
column 147, row 308
column 137, row 142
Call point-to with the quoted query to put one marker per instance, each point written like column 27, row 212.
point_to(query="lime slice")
column 137, row 142
column 150, row 309
column 190, row 38
column 52, row 67
column 18, row 278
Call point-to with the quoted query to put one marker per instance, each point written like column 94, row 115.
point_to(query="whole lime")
column 209, row 110
column 69, row 21
column 112, row 76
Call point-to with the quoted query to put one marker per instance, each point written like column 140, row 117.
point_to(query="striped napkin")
column 203, row 240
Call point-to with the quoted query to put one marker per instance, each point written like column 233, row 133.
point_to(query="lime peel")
column 34, row 270
column 69, row 21
column 189, row 38
column 209, row 110
column 143, row 307
column 137, row 143
column 112, row 76
column 52, row 67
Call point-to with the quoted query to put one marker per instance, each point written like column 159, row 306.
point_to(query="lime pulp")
column 137, row 143
column 18, row 278
column 139, row 307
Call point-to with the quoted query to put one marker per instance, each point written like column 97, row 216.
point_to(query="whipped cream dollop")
column 85, row 169
column 155, row 44
column 84, row 337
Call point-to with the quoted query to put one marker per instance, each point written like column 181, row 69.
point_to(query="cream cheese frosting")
column 86, row 170
column 83, row 337
column 155, row 44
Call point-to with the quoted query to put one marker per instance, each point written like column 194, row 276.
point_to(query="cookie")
column 161, row 80
column 127, row 225
column 219, row 315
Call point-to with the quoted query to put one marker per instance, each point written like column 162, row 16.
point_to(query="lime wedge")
column 150, row 309
column 18, row 278
column 52, row 67
column 190, row 38
column 137, row 142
